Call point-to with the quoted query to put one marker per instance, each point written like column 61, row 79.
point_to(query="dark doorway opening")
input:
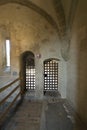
column 27, row 71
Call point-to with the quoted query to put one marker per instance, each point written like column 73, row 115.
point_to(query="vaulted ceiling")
column 64, row 11
column 60, row 26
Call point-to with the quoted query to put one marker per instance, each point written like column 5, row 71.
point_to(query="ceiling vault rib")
column 60, row 17
column 72, row 12
column 65, row 42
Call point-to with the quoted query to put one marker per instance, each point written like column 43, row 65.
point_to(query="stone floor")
column 59, row 116
column 27, row 117
column 49, row 114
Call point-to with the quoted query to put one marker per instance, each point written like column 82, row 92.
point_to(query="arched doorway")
column 27, row 71
column 50, row 75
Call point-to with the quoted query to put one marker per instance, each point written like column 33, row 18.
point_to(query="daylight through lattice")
column 50, row 75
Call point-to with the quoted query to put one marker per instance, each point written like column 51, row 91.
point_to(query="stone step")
column 23, row 114
column 33, row 127
column 28, row 120
column 28, row 117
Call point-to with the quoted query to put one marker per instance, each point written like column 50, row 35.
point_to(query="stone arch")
column 23, row 57
column 49, row 59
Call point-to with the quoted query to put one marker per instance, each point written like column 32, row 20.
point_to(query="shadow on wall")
column 82, row 81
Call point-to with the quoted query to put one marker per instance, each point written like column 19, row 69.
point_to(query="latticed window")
column 30, row 77
column 30, row 72
column 50, row 74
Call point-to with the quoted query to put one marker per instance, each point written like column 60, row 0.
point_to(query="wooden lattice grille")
column 51, row 75
column 30, row 77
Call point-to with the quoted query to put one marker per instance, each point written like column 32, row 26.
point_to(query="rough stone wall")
column 29, row 31
column 77, row 66
column 23, row 31
column 38, row 9
column 31, row 28
column 54, row 13
column 52, row 50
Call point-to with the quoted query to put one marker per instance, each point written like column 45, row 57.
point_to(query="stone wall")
column 29, row 31
column 77, row 65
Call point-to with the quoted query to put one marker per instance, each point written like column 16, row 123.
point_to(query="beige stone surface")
column 27, row 117
column 37, row 29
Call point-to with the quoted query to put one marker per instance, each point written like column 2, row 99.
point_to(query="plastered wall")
column 28, row 31
column 77, row 65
